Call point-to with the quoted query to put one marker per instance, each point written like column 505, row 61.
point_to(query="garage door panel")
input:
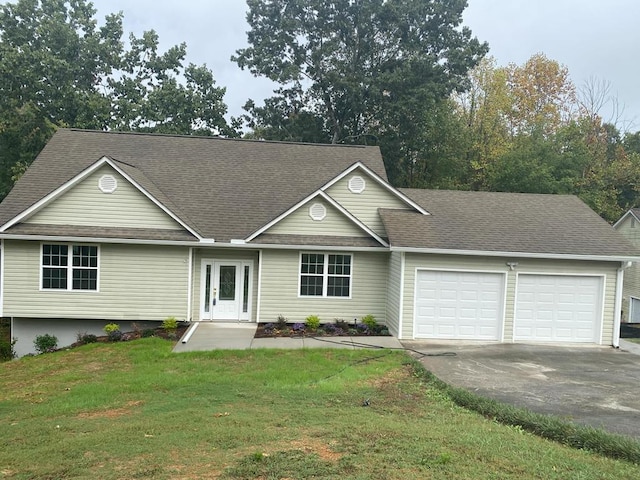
column 562, row 308
column 462, row 305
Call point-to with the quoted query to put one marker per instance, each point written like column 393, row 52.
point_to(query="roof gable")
column 334, row 221
column 82, row 202
column 221, row 188
column 362, row 193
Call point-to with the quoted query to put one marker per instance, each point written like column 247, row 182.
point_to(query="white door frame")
column 214, row 309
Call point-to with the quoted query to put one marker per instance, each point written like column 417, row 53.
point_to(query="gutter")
column 617, row 317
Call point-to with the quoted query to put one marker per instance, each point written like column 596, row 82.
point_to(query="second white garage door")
column 558, row 308
column 459, row 305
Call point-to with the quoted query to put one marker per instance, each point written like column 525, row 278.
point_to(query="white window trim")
column 325, row 275
column 70, row 268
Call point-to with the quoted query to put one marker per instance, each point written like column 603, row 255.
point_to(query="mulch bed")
column 134, row 335
column 270, row 330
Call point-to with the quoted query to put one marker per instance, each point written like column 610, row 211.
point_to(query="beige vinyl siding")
column 493, row 264
column 280, row 275
column 630, row 228
column 364, row 206
column 86, row 205
column 136, row 282
column 394, row 293
column 221, row 254
column 300, row 223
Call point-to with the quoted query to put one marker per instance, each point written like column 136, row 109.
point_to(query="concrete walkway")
column 204, row 336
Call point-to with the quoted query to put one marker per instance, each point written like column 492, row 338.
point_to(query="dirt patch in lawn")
column 112, row 412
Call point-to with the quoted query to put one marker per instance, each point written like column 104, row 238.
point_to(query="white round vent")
column 317, row 212
column 356, row 184
column 107, row 184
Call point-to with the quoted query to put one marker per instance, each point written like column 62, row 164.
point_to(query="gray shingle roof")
column 504, row 222
column 222, row 188
column 102, row 232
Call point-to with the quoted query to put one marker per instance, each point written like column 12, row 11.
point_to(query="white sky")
column 598, row 39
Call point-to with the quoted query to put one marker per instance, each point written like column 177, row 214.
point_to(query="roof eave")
column 489, row 253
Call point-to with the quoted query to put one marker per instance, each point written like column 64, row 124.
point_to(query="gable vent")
column 317, row 212
column 356, row 184
column 107, row 184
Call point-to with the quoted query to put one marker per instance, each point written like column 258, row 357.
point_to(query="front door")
column 226, row 290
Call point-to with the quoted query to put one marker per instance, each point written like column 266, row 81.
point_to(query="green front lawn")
column 135, row 410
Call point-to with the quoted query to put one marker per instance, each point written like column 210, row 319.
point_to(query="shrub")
column 7, row 350
column 113, row 332
column 281, row 322
column 369, row 321
column 269, row 327
column 312, row 322
column 298, row 327
column 170, row 324
column 84, row 337
column 147, row 332
column 342, row 324
column 45, row 343
column 330, row 328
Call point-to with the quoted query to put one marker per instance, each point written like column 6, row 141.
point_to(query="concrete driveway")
column 598, row 386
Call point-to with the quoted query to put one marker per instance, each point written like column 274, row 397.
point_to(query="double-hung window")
column 325, row 275
column 69, row 267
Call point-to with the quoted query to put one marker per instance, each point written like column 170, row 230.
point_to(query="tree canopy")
column 362, row 71
column 59, row 68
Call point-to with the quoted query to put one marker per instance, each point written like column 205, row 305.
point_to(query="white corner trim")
column 374, row 176
column 332, row 202
column 617, row 316
column 259, row 292
column 189, row 284
column 2, row 275
column 401, row 296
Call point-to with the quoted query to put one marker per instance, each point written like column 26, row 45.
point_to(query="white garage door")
column 459, row 305
column 558, row 308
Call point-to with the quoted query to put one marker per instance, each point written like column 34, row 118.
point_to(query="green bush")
column 87, row 338
column 369, row 321
column 147, row 332
column 170, row 324
column 7, row 351
column 312, row 322
column 45, row 343
column 281, row 322
column 113, row 332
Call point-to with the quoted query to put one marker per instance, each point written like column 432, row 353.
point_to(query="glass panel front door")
column 225, row 290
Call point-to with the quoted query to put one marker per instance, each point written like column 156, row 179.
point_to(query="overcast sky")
column 594, row 39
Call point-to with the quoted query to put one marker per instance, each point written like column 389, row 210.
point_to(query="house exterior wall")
column 364, row 206
column 86, row 205
column 630, row 228
column 280, row 288
column 394, row 293
column 414, row 261
column 300, row 223
column 200, row 254
column 136, row 282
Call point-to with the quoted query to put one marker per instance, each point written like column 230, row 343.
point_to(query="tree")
column 365, row 71
column 59, row 69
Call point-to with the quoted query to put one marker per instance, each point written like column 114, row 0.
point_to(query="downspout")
column 617, row 318
column 259, row 293
column 190, row 284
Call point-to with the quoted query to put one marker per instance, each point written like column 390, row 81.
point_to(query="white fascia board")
column 380, row 181
column 358, row 223
column 77, row 179
column 317, row 193
column 53, row 195
column 152, row 198
column 629, row 212
column 485, row 253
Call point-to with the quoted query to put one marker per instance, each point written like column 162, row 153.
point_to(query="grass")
column 135, row 410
